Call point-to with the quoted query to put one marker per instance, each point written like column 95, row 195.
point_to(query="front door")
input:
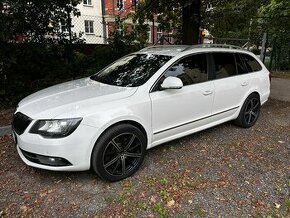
column 176, row 112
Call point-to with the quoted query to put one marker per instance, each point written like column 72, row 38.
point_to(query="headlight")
column 55, row 128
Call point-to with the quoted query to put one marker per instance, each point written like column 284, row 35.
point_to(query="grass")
column 287, row 204
column 164, row 194
column 164, row 181
column 160, row 210
column 199, row 211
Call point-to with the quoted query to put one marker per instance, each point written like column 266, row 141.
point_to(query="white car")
column 107, row 121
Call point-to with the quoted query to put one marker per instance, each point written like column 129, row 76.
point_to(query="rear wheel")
column 250, row 111
column 119, row 152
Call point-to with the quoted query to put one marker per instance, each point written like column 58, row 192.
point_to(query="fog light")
column 45, row 160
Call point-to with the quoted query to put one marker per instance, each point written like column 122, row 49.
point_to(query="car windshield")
column 132, row 70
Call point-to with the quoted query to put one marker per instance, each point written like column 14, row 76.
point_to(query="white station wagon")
column 107, row 121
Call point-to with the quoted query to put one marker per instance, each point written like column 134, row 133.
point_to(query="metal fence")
column 90, row 29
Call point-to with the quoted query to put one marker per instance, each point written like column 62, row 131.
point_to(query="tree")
column 190, row 21
column 231, row 18
column 274, row 17
column 37, row 23
column 183, row 15
column 35, row 20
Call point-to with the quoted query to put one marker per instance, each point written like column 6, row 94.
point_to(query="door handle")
column 245, row 83
column 207, row 92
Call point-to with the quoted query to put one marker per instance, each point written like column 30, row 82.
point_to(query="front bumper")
column 71, row 153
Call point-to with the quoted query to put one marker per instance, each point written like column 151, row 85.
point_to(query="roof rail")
column 181, row 48
column 212, row 46
column 163, row 46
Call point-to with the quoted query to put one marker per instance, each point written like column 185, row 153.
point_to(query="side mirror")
column 172, row 83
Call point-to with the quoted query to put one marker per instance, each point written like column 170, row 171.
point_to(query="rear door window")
column 224, row 65
column 251, row 63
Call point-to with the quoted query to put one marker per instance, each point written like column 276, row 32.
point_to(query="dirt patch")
column 6, row 116
column 224, row 171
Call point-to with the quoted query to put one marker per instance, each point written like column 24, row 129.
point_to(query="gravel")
column 224, row 171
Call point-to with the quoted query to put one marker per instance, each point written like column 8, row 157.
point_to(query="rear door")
column 231, row 83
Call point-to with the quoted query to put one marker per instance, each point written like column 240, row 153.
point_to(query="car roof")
column 173, row 50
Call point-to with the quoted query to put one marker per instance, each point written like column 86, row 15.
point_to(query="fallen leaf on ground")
column 277, row 205
column 153, row 199
column 170, row 203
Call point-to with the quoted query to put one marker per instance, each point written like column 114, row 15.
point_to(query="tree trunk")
column 190, row 21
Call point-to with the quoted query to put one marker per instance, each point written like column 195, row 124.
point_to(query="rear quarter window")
column 241, row 67
column 251, row 63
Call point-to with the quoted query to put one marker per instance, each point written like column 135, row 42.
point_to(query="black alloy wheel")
column 122, row 154
column 119, row 152
column 250, row 111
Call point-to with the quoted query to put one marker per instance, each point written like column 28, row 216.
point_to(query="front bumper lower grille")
column 45, row 160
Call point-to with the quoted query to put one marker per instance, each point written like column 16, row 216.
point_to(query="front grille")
column 20, row 123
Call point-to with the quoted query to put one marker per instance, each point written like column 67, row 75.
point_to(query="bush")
column 28, row 67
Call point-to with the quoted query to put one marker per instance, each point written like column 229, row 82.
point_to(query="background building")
column 90, row 23
column 120, row 9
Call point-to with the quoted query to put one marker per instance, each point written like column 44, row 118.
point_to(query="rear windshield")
column 132, row 70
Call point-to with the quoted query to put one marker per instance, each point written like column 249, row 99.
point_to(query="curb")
column 4, row 130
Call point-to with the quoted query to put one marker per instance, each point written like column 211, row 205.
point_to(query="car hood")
column 67, row 98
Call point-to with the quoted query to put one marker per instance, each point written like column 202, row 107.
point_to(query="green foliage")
column 168, row 15
column 160, row 210
column 275, row 21
column 231, row 18
column 36, row 21
column 247, row 19
column 30, row 67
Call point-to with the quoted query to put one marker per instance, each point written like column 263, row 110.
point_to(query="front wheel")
column 250, row 111
column 119, row 152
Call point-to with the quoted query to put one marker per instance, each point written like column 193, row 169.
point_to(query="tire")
column 250, row 111
column 119, row 152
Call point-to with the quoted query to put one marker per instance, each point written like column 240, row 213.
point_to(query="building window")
column 120, row 4
column 89, row 26
column 87, row 2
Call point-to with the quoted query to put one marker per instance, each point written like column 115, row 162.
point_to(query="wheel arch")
column 255, row 92
column 128, row 121
column 133, row 123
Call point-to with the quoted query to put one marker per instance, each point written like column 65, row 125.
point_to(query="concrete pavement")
column 5, row 130
column 280, row 89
